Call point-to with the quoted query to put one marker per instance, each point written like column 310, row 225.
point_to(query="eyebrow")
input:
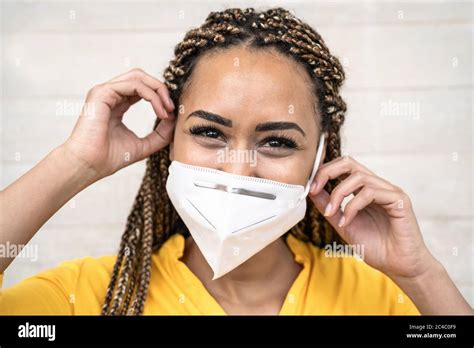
column 261, row 127
column 269, row 126
column 211, row 117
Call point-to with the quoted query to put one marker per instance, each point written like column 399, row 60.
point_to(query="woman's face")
column 248, row 112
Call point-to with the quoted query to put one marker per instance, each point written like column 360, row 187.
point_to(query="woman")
column 261, row 82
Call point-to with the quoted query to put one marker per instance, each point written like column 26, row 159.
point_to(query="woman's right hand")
column 99, row 145
column 100, row 140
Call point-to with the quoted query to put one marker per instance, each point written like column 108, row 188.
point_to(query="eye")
column 209, row 132
column 281, row 142
column 278, row 145
column 206, row 131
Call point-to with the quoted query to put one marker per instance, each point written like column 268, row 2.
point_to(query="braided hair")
column 153, row 218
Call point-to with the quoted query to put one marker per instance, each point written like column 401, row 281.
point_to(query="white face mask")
column 232, row 217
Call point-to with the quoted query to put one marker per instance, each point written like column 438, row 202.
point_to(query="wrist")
column 433, row 292
column 79, row 174
column 432, row 271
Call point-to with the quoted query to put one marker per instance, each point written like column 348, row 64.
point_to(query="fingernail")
column 342, row 221
column 171, row 102
column 312, row 189
column 328, row 209
column 164, row 113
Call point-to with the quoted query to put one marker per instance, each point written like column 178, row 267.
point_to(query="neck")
column 274, row 265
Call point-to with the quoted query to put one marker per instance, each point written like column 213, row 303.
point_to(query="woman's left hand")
column 379, row 217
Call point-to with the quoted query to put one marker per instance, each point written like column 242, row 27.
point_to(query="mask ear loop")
column 317, row 161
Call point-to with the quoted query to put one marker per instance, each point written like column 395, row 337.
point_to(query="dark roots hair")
column 153, row 218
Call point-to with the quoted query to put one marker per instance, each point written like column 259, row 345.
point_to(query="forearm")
column 32, row 199
column 434, row 293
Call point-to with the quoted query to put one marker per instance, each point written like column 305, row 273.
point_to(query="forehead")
column 258, row 82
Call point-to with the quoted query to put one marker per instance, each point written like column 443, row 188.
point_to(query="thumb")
column 320, row 201
column 158, row 138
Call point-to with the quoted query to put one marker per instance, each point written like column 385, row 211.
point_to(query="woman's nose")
column 240, row 162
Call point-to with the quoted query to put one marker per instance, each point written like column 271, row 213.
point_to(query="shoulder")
column 86, row 277
column 86, row 265
column 74, row 270
column 76, row 286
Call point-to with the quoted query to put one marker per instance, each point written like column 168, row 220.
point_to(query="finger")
column 157, row 139
column 125, row 105
column 130, row 101
column 136, row 87
column 352, row 185
column 320, row 201
column 160, row 88
column 386, row 198
column 151, row 81
column 334, row 169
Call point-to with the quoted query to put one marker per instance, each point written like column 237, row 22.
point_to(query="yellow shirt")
column 324, row 286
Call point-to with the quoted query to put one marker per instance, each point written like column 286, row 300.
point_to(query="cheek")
column 292, row 169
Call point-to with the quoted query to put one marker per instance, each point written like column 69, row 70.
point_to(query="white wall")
column 397, row 54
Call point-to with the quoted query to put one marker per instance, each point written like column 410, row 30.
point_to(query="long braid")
column 153, row 218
